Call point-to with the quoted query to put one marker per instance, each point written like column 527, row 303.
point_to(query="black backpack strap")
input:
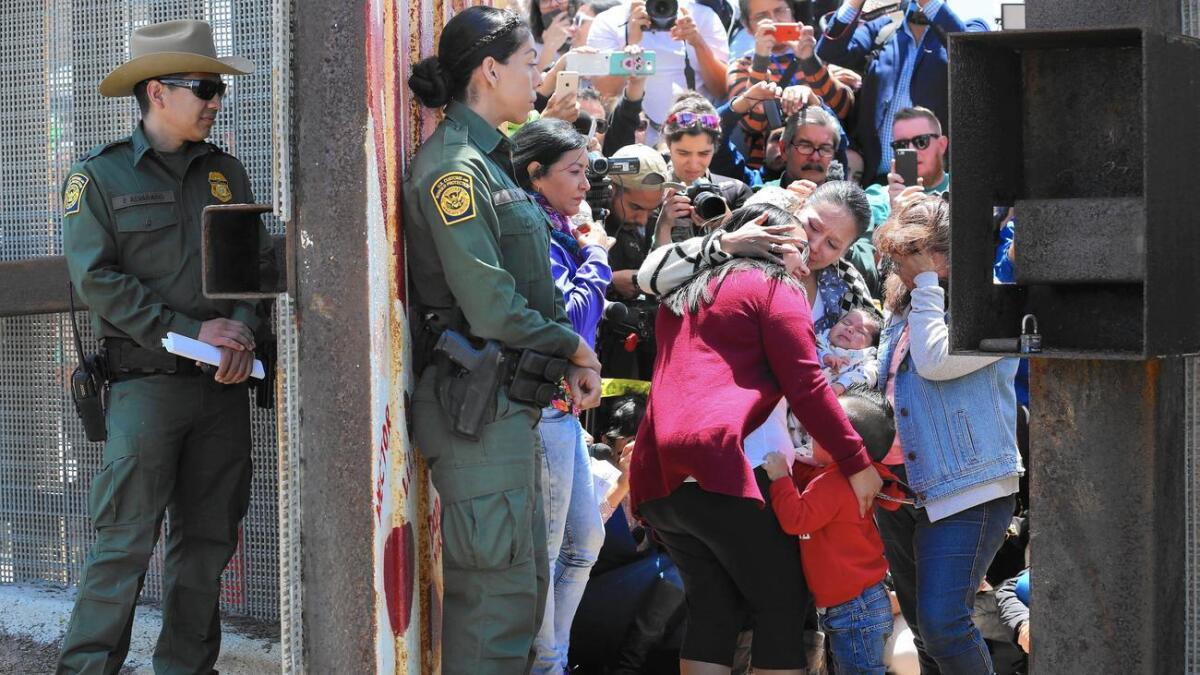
column 785, row 79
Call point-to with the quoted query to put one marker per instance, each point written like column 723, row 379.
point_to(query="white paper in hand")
column 181, row 345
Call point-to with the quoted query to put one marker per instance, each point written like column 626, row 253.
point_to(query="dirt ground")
column 23, row 656
column 19, row 655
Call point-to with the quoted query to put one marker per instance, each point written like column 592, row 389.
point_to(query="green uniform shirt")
column 478, row 242
column 131, row 234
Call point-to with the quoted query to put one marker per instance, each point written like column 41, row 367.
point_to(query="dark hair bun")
column 430, row 83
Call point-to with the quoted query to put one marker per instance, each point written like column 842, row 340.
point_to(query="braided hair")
column 488, row 31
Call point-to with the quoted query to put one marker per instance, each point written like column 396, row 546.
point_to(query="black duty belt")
column 128, row 360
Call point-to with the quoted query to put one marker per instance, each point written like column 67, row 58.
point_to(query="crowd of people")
column 760, row 454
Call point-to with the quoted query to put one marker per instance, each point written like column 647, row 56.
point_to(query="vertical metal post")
column 1108, row 542
column 335, row 425
column 1111, row 473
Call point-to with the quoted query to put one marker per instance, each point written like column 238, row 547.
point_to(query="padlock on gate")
column 1030, row 341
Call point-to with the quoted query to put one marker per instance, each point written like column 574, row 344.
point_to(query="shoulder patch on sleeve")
column 73, row 193
column 454, row 195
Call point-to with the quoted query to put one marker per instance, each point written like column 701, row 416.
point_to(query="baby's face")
column 853, row 331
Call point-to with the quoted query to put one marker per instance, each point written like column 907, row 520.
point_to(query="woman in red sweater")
column 731, row 343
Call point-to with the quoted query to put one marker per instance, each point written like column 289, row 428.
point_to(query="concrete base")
column 41, row 614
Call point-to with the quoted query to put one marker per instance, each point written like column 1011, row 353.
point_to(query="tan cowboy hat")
column 167, row 48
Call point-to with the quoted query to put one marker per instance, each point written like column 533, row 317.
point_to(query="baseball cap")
column 653, row 173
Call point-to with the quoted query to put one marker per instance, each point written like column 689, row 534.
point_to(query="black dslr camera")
column 707, row 199
column 662, row 13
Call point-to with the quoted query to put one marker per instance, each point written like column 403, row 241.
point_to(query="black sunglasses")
column 204, row 90
column 919, row 142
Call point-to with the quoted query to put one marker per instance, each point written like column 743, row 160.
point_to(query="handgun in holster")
column 468, row 380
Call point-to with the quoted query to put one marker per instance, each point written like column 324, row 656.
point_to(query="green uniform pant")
column 180, row 444
column 494, row 558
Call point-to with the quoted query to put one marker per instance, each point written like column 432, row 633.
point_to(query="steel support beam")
column 1160, row 15
column 35, row 286
column 1108, row 513
column 334, row 349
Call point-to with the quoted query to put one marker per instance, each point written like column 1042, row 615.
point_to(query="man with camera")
column 639, row 178
column 905, row 65
column 783, row 55
column 689, row 43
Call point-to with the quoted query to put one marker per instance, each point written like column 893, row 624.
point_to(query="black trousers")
column 739, row 570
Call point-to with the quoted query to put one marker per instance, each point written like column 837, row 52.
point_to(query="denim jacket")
column 956, row 433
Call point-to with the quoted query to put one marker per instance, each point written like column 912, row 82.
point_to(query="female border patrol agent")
column 478, row 253
column 177, row 438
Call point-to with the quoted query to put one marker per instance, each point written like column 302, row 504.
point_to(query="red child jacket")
column 841, row 553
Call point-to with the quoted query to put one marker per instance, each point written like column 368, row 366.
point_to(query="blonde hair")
column 923, row 225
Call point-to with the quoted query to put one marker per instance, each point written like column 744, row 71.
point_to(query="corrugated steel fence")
column 53, row 53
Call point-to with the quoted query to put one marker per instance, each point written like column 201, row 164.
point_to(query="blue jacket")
column 956, row 434
column 930, row 83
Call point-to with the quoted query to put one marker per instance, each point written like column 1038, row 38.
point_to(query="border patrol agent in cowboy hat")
column 178, row 438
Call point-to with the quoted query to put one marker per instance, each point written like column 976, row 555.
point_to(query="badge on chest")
column 220, row 186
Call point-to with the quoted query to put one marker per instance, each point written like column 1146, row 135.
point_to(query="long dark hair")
column 470, row 37
column 691, row 295
column 544, row 141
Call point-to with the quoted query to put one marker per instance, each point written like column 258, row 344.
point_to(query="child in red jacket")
column 840, row 551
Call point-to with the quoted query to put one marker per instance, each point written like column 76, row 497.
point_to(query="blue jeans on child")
column 574, row 533
column 857, row 631
column 936, row 569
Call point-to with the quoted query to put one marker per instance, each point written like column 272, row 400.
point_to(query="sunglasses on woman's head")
column 919, row 142
column 688, row 119
column 204, row 90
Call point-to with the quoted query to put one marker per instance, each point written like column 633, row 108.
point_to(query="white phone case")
column 588, row 65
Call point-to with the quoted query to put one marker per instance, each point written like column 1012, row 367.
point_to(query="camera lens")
column 709, row 205
column 597, row 164
column 662, row 13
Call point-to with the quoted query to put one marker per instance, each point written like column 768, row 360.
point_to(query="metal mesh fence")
column 53, row 54
column 1191, row 17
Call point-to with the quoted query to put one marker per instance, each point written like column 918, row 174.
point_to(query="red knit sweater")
column 718, row 374
column 841, row 553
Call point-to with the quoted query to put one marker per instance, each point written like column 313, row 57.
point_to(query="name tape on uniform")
column 454, row 196
column 142, row 198
column 73, row 194
column 502, row 197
